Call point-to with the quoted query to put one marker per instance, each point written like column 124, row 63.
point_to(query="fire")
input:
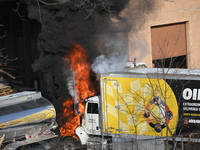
column 80, row 67
column 71, row 119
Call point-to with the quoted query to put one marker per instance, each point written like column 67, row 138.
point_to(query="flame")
column 78, row 62
column 71, row 119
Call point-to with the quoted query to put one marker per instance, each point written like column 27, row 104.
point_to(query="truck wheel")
column 70, row 143
column 108, row 145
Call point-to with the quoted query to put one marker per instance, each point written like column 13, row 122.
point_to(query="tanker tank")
column 24, row 115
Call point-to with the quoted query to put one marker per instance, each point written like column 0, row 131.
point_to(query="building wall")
column 144, row 15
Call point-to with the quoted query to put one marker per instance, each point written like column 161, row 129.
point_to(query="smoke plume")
column 69, row 22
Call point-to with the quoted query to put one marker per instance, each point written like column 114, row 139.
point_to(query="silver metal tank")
column 25, row 114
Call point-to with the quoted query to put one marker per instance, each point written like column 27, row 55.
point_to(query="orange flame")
column 72, row 120
column 79, row 65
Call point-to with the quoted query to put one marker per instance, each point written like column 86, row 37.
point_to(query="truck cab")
column 91, row 117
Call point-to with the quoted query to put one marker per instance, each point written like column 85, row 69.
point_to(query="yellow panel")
column 45, row 114
column 138, row 106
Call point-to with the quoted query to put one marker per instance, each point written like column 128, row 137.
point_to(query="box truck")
column 143, row 104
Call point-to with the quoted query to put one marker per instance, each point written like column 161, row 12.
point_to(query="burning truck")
column 132, row 106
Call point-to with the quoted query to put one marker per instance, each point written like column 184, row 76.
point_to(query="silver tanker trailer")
column 25, row 118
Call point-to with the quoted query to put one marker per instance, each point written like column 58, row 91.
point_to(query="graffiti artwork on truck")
column 158, row 114
column 139, row 106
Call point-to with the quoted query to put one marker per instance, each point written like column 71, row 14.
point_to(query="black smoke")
column 64, row 24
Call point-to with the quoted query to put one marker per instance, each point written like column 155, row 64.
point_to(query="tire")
column 109, row 145
column 70, row 143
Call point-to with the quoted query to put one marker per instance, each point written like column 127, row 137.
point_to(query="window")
column 169, row 46
column 92, row 108
column 173, row 62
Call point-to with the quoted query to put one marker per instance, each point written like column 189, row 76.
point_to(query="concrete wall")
column 145, row 14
